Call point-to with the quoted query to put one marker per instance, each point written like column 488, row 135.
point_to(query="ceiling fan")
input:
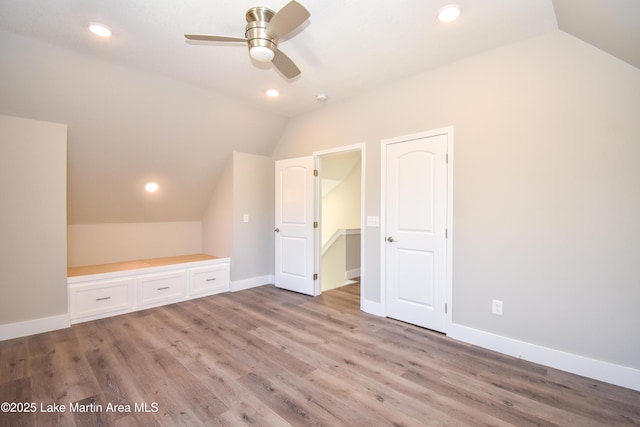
column 264, row 28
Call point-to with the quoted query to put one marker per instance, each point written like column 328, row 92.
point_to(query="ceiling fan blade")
column 285, row 65
column 287, row 19
column 212, row 38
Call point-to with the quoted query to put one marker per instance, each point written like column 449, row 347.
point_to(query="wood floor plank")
column 14, row 360
column 322, row 402
column 327, row 396
column 63, row 376
column 113, row 381
column 87, row 412
column 252, row 412
column 17, row 391
column 229, row 310
column 188, row 390
column 374, row 385
column 382, row 402
column 379, row 376
column 289, row 407
column 152, row 382
column 269, row 357
column 210, row 367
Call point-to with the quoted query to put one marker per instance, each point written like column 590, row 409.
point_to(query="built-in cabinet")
column 102, row 291
column 100, row 298
column 209, row 280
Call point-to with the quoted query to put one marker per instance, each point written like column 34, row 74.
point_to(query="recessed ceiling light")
column 100, row 30
column 449, row 13
column 151, row 187
column 272, row 93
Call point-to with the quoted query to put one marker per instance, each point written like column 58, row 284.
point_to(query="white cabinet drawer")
column 97, row 298
column 108, row 293
column 209, row 280
column 160, row 288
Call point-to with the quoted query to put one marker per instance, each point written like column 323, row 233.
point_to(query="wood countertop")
column 132, row 265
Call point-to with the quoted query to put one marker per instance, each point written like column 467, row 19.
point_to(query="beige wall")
column 333, row 265
column 254, row 195
column 245, row 187
column 33, row 164
column 104, row 243
column 217, row 221
column 341, row 187
column 352, row 252
column 341, row 205
column 546, row 201
column 127, row 127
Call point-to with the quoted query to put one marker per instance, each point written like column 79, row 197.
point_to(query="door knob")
column 277, row 230
column 389, row 239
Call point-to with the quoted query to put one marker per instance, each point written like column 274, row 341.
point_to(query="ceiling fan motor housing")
column 256, row 31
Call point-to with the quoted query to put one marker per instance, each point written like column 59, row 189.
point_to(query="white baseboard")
column 371, row 307
column 352, row 274
column 240, row 285
column 35, row 326
column 603, row 371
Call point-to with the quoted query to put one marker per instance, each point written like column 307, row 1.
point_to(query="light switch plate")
column 373, row 221
column 496, row 307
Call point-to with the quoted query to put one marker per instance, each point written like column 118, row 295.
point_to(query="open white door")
column 415, row 226
column 294, row 230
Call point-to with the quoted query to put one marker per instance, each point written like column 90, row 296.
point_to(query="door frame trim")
column 318, row 209
column 383, row 232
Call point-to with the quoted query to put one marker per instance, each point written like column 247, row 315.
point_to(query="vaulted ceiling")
column 148, row 105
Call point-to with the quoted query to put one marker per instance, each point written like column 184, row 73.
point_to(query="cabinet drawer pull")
column 103, row 298
column 211, row 280
column 163, row 288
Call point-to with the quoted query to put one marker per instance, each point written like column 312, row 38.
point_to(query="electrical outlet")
column 496, row 307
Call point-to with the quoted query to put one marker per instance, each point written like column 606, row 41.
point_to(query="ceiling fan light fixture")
column 449, row 13
column 263, row 30
column 261, row 53
column 99, row 30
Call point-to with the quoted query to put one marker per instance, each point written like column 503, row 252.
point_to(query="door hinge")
column 446, row 233
column 315, row 276
column 445, row 309
column 315, row 224
column 315, row 172
column 446, row 158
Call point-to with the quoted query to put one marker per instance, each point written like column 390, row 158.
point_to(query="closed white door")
column 294, row 230
column 415, row 226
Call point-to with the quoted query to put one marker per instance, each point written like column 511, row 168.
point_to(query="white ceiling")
column 347, row 47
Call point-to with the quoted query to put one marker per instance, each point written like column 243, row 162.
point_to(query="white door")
column 294, row 230
column 415, row 226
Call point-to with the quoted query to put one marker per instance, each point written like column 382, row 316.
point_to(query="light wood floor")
column 268, row 357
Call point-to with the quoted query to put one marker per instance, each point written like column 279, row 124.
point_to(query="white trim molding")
column 337, row 234
column 253, row 282
column 352, row 274
column 34, row 326
column 362, row 147
column 596, row 369
column 372, row 307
